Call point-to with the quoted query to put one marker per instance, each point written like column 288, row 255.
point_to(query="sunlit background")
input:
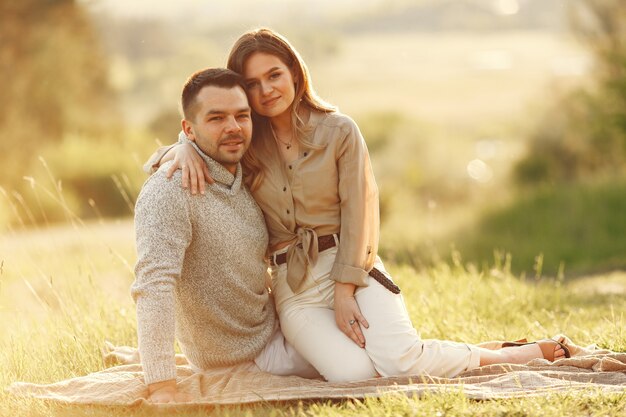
column 497, row 128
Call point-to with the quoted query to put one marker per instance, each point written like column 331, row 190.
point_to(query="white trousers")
column 278, row 357
column 392, row 345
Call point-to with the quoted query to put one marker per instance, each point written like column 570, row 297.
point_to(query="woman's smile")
column 270, row 102
column 270, row 84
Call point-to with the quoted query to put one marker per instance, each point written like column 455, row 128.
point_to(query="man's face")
column 221, row 125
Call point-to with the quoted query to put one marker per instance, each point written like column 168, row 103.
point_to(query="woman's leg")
column 518, row 354
column 308, row 324
column 313, row 333
column 395, row 346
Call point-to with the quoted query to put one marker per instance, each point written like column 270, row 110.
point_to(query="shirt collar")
column 219, row 173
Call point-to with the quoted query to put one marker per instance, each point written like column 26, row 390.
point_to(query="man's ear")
column 188, row 129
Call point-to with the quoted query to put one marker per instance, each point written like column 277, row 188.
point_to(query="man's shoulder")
column 159, row 186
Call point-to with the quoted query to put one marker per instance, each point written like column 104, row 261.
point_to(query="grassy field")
column 567, row 229
column 64, row 291
column 571, row 229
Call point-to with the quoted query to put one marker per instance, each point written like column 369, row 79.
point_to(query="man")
column 200, row 273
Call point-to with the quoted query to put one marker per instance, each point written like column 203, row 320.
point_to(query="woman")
column 308, row 169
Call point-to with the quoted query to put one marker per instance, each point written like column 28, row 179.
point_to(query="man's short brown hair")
column 218, row 77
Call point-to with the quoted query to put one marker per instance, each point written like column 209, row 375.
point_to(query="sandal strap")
column 546, row 346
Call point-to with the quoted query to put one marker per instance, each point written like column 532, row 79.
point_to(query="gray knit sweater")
column 200, row 274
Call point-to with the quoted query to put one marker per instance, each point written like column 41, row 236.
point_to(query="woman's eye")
column 275, row 75
column 250, row 86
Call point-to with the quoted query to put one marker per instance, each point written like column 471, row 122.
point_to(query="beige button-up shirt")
column 329, row 189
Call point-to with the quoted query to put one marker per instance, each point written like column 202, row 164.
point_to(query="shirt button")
column 305, row 154
column 284, row 188
column 287, row 211
column 289, row 166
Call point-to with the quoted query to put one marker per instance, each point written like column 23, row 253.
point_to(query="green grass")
column 63, row 291
column 579, row 229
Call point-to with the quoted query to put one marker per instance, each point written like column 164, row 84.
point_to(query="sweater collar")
column 219, row 173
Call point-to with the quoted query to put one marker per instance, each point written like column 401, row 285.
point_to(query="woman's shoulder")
column 335, row 119
column 330, row 127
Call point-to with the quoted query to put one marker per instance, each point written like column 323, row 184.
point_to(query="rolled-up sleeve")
column 152, row 164
column 359, row 210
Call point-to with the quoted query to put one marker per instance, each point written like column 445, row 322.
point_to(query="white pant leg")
column 278, row 357
column 392, row 345
column 316, row 336
column 308, row 323
column 395, row 346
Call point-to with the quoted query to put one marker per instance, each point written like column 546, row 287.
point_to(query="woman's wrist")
column 344, row 289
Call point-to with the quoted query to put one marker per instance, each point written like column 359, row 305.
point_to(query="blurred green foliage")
column 53, row 78
column 165, row 126
column 584, row 133
column 53, row 86
column 380, row 129
column 569, row 214
column 66, row 152
column 570, row 229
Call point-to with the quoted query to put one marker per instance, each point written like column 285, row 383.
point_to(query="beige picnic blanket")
column 593, row 371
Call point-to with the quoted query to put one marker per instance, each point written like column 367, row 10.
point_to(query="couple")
column 297, row 190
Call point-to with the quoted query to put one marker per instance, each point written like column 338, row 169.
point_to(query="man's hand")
column 347, row 313
column 166, row 392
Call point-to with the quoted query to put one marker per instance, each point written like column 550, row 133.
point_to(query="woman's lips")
column 270, row 102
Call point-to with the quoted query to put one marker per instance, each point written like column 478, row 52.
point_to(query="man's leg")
column 280, row 358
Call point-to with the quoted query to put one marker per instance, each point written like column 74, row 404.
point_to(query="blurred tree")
column 53, row 81
column 585, row 132
column 165, row 126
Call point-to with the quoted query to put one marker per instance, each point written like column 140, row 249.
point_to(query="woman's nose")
column 266, row 88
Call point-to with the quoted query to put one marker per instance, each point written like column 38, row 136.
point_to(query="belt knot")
column 302, row 253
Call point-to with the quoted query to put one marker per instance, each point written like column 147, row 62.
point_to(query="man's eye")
column 215, row 119
column 244, row 116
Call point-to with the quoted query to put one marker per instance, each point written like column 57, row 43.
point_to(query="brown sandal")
column 546, row 346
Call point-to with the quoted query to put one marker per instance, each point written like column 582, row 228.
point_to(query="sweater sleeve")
column 163, row 233
column 358, row 242
column 152, row 164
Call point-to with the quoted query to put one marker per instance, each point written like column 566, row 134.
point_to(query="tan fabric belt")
column 327, row 242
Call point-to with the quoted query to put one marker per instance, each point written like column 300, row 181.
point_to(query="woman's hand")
column 347, row 313
column 195, row 170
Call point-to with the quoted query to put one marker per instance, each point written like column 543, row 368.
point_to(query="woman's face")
column 270, row 84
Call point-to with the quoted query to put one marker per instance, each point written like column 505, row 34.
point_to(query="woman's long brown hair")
column 268, row 41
